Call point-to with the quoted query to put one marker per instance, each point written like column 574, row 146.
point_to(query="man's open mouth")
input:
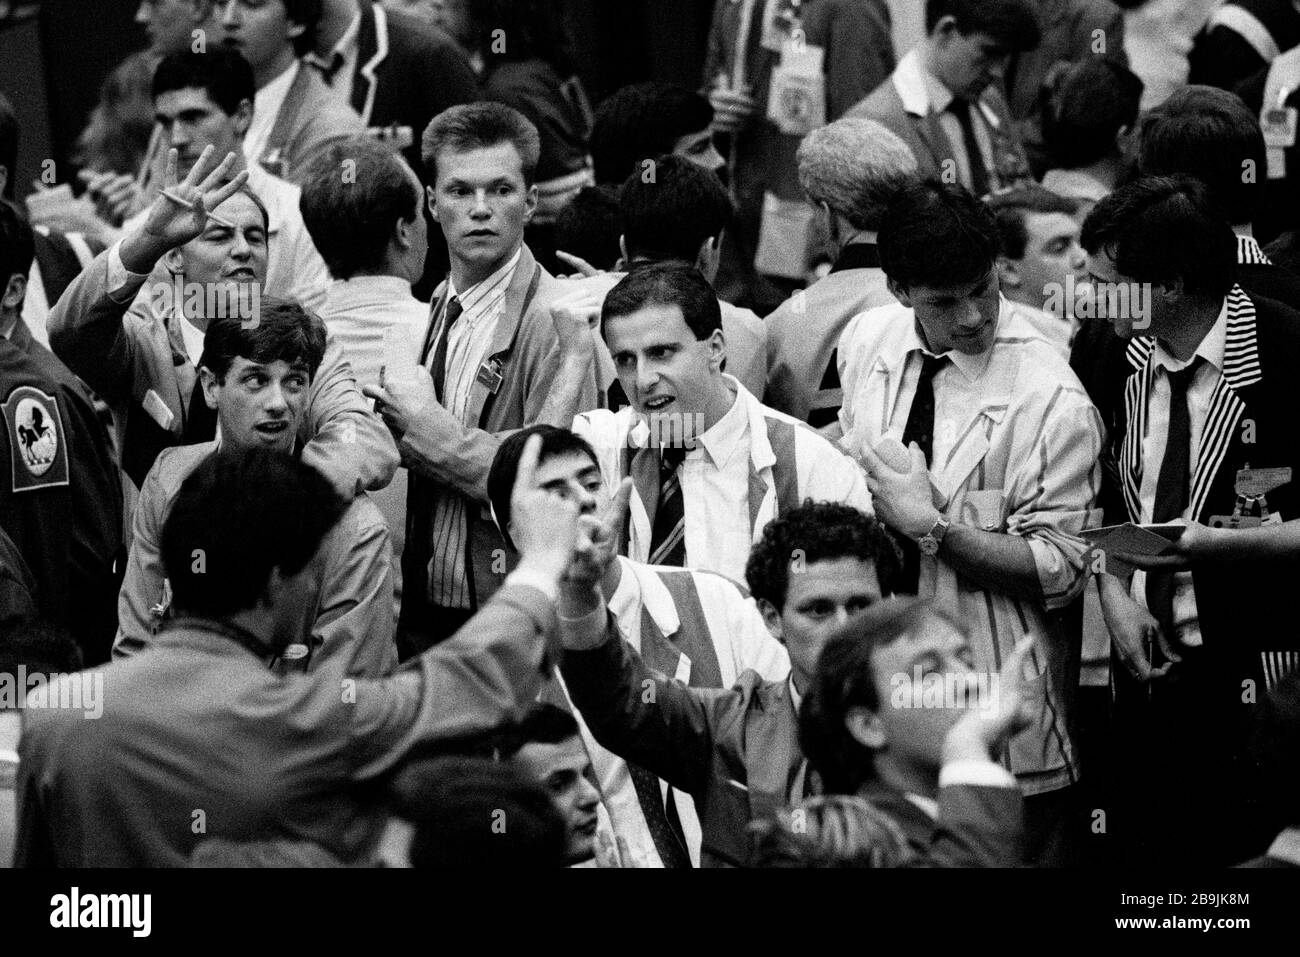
column 658, row 403
column 272, row 428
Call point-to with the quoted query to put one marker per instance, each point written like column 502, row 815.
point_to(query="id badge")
column 796, row 101
column 1256, row 483
column 489, row 374
column 1279, row 126
column 783, row 237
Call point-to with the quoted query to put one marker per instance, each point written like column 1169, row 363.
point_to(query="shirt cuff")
column 122, row 283
column 587, row 632
column 976, row 773
column 534, row 579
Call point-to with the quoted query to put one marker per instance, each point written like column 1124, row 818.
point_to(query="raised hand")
column 980, row 733
column 173, row 222
column 544, row 526
column 575, row 314
column 598, row 539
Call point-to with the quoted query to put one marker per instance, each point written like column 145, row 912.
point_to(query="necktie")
column 668, row 534
column 979, row 174
column 200, row 421
column 670, row 842
column 1173, row 489
column 919, row 429
column 454, row 311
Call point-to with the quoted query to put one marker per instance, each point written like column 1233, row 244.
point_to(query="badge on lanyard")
column 489, row 374
column 1256, row 483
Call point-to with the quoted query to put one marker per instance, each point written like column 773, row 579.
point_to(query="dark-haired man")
column 1203, row 433
column 142, row 358
column 711, row 464
column 549, row 750
column 492, row 362
column 682, row 212
column 1040, row 261
column 203, row 99
column 694, row 625
column 899, row 714
column 256, row 378
column 735, row 752
column 295, row 113
column 982, row 449
column 642, row 122
column 199, row 739
column 943, row 97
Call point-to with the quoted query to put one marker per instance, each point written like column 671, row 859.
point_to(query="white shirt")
column 715, row 496
column 348, row 48
column 1199, row 394
column 266, row 108
column 972, row 773
column 467, row 346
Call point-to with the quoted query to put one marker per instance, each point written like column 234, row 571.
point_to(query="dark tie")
column 919, row 429
column 1173, row 489
column 669, row 840
column 454, row 311
column 330, row 71
column 668, row 535
column 200, row 421
column 979, row 173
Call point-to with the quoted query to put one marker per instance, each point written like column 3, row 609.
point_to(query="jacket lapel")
column 1240, row 369
column 372, row 50
column 518, row 297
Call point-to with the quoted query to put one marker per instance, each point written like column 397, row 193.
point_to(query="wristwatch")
column 929, row 542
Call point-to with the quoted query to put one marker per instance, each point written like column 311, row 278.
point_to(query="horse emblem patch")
column 38, row 452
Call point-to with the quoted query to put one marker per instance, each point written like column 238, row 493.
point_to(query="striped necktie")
column 668, row 536
column 454, row 311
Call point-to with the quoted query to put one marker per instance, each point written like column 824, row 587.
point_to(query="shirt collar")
column 972, row 367
column 795, row 697
column 471, row 296
column 723, row 440
column 273, row 94
column 928, row 805
column 384, row 288
column 1211, row 349
column 1286, row 846
column 344, row 48
column 912, row 83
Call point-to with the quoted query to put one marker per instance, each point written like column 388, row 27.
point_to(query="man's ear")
column 530, row 203
column 243, row 117
column 945, row 30
column 4, row 178
column 707, row 259
column 717, row 349
column 622, row 249
column 174, row 262
column 1008, row 274
column 433, row 204
column 898, row 292
column 866, row 728
column 1171, row 290
column 772, row 618
column 295, row 30
column 15, row 291
column 211, row 387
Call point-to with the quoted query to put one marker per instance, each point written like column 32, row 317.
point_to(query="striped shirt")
column 467, row 345
column 1016, row 451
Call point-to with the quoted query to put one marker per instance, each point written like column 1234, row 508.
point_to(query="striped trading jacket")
column 1016, row 449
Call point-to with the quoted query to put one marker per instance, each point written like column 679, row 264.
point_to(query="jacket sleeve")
column 977, row 827
column 33, row 842
column 860, row 55
column 345, row 441
column 354, row 616
column 87, row 328
column 485, row 674
column 142, row 588
column 439, row 447
column 645, row 717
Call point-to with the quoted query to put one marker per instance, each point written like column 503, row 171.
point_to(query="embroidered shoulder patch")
column 38, row 450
